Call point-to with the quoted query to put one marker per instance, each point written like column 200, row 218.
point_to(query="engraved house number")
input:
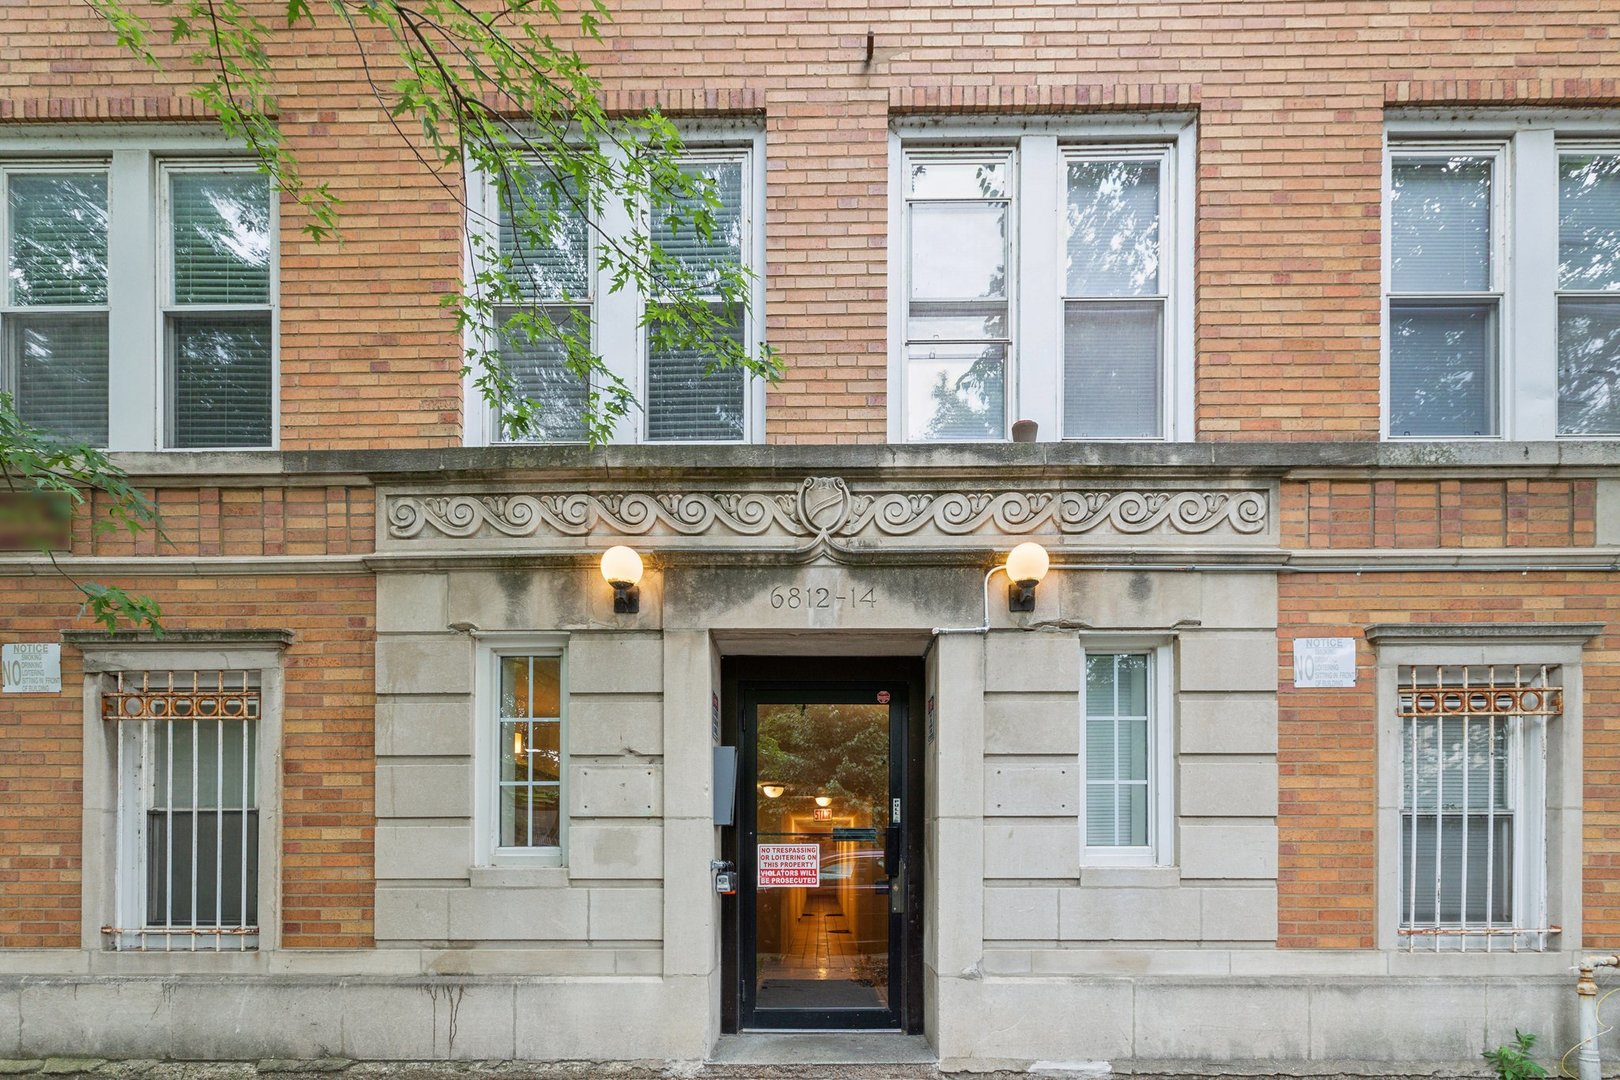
column 797, row 597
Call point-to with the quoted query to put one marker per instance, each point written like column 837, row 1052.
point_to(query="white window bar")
column 1464, row 785
column 165, row 724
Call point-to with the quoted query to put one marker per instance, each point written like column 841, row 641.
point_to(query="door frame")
column 818, row 675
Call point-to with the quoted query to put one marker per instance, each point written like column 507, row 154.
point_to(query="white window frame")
column 616, row 332
column 1041, row 149
column 135, row 158
column 1547, row 863
column 491, row 648
column 1160, row 849
column 108, row 891
column 1525, row 250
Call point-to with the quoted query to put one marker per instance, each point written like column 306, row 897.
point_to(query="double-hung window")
column 1502, row 278
column 1126, row 750
column 1042, row 273
column 187, row 845
column 680, row 398
column 1472, row 865
column 523, row 745
column 170, row 255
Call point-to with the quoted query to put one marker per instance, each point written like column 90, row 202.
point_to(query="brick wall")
column 1326, row 738
column 1489, row 512
column 1291, row 98
column 327, row 797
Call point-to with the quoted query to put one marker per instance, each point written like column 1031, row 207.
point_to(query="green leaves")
column 1514, row 1062
column 45, row 480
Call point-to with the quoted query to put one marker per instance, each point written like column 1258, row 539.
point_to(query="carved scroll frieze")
column 826, row 510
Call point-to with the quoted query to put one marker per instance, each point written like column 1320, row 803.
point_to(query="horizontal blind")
column 57, row 232
column 1442, row 368
column 1116, row 730
column 60, row 364
column 220, row 380
column 1112, row 219
column 219, row 227
column 1589, row 366
column 705, row 257
column 545, row 234
column 1112, row 369
column 1589, row 221
column 686, row 401
column 1440, row 224
column 539, row 371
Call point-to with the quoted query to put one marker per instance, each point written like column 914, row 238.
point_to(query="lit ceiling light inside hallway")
column 823, row 800
column 1026, row 566
column 772, row 791
column 621, row 566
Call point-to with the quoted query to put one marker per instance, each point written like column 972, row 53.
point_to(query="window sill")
column 1123, row 875
column 518, row 876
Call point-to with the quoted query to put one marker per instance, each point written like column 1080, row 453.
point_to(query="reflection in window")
column 529, row 737
column 959, row 215
column 1589, row 294
column 1443, row 324
column 53, row 307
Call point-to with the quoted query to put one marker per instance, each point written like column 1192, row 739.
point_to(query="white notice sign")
column 789, row 866
column 1324, row 662
column 31, row 668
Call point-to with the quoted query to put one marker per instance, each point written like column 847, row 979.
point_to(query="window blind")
column 1442, row 368
column 1589, row 326
column 1116, row 725
column 1440, row 224
column 61, row 373
column 1113, row 228
column 545, row 233
column 58, row 238
column 685, row 400
column 1457, row 822
column 539, row 370
column 219, row 226
column 1112, row 367
column 220, row 380
column 706, row 257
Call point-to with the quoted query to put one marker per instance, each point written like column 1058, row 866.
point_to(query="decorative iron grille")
column 188, row 818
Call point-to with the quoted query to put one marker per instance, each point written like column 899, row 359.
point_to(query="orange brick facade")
column 1290, row 99
column 327, row 747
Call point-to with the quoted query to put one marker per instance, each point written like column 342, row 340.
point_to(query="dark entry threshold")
column 823, row 1048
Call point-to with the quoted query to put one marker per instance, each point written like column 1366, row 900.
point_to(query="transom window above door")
column 1041, row 273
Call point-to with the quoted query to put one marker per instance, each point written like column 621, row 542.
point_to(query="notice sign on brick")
column 31, row 668
column 789, row 866
column 1324, row 662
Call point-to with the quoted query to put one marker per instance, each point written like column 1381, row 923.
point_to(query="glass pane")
column 1133, row 757
column 513, row 748
column 1102, row 815
column 1588, row 367
column 220, row 367
column 61, row 373
column 515, row 686
column 544, row 232
column 1133, row 684
column 1113, row 358
column 1589, row 221
column 1113, row 228
column 822, row 884
column 1132, row 819
column 687, row 398
column 959, row 178
column 227, row 858
column 1101, row 760
column 959, row 251
column 538, row 366
column 1442, row 369
column 220, row 229
column 545, row 751
column 1440, row 224
column 956, row 392
column 548, row 686
column 58, row 231
column 530, row 816
column 961, row 321
column 1100, row 684
column 706, row 257
column 1444, row 838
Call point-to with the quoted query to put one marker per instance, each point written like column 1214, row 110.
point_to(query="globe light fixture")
column 621, row 568
column 1026, row 567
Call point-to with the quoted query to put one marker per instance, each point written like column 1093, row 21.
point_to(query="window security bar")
column 187, row 810
column 1469, row 762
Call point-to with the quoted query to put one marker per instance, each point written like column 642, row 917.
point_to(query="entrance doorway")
column 825, row 930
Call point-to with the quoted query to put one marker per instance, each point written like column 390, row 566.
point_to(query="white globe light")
column 621, row 566
column 1028, row 563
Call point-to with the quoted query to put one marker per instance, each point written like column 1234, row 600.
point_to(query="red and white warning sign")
column 789, row 866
